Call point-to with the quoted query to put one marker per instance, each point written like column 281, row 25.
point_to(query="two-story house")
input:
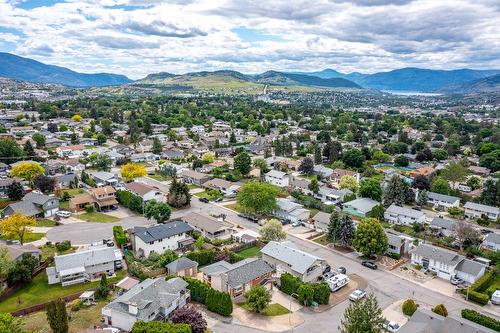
column 442, row 201
column 83, row 266
column 209, row 227
column 195, row 177
column 277, row 178
column 290, row 211
column 446, row 263
column 159, row 238
column 284, row 257
column 339, row 173
column 475, row 210
column 152, row 299
column 35, row 204
column 101, row 198
column 403, row 216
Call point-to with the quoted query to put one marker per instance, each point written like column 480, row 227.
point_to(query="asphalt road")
column 387, row 287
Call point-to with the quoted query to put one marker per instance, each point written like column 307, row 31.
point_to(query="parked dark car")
column 327, row 269
column 205, row 200
column 369, row 264
column 341, row 270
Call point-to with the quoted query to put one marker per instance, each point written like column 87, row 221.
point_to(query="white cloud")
column 129, row 37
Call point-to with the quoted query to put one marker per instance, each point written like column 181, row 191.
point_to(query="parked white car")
column 63, row 213
column 391, row 326
column 357, row 295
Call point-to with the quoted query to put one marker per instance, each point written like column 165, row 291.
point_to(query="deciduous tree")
column 190, row 316
column 272, row 231
column 27, row 171
column 16, row 225
column 370, row 188
column 306, row 166
column 158, row 211
column 15, row 191
column 349, row 182
column 130, row 171
column 370, row 238
column 256, row 197
column 243, row 163
column 258, row 298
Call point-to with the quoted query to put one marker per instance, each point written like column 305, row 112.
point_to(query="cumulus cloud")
column 137, row 37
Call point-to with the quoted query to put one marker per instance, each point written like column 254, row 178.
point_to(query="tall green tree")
column 440, row 185
column 363, row 316
column 243, row 163
column 57, row 316
column 157, row 147
column 397, row 192
column 370, row 188
column 256, row 197
column 11, row 324
column 370, row 238
column 258, row 298
column 158, row 211
column 272, row 231
column 178, row 194
column 454, row 172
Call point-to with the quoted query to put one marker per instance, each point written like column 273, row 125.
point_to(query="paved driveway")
column 83, row 233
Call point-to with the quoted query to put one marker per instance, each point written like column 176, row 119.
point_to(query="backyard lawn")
column 80, row 320
column 74, row 191
column 51, row 251
column 253, row 251
column 97, row 217
column 39, row 291
column 64, row 205
column 274, row 309
column 210, row 195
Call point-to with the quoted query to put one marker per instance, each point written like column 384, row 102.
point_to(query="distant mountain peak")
column 25, row 69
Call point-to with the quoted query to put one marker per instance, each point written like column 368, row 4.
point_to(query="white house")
column 70, row 151
column 145, row 191
column 475, row 210
column 331, row 196
column 291, row 211
column 284, row 257
column 402, row 215
column 492, row 241
column 83, row 266
column 441, row 201
column 442, row 226
column 160, row 238
column 446, row 263
column 278, row 178
column 152, row 299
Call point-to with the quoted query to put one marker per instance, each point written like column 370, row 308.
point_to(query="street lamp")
column 290, row 314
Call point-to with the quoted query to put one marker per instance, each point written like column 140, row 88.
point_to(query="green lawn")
column 274, row 309
column 210, row 195
column 50, row 251
column 192, row 186
column 321, row 240
column 39, row 291
column 253, row 251
column 45, row 223
column 74, row 191
column 235, row 207
column 97, row 217
column 28, row 237
column 159, row 178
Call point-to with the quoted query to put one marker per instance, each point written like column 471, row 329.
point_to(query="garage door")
column 444, row 275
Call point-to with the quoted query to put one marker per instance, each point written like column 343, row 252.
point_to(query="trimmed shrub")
column 306, row 294
column 476, row 297
column 481, row 319
column 197, row 289
column 63, row 246
column 395, row 256
column 409, row 307
column 321, row 293
column 119, row 235
column 219, row 302
column 289, row 283
column 441, row 310
column 203, row 257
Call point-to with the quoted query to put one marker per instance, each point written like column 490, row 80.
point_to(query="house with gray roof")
column 324, row 172
column 426, row 321
column 442, row 201
column 492, row 241
column 16, row 251
column 331, row 196
column 152, row 299
column 84, row 266
column 446, row 263
column 182, row 267
column 208, row 226
column 442, row 226
column 105, row 178
column 238, row 278
column 284, row 257
column 360, row 207
column 290, row 211
column 158, row 238
column 398, row 243
column 403, row 215
column 277, row 178
column 474, row 210
column 321, row 221
column 34, row 204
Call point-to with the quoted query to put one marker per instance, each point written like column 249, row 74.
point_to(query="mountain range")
column 405, row 79
column 25, row 69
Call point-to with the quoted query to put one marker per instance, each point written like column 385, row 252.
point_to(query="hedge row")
column 481, row 319
column 130, row 200
column 320, row 292
column 119, row 235
column 159, row 327
column 477, row 290
column 207, row 257
column 216, row 301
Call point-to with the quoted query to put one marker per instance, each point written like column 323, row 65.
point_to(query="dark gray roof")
column 216, row 268
column 493, row 238
column 439, row 254
column 161, row 231
column 442, row 223
column 470, row 267
column 25, row 207
column 181, row 264
column 246, row 271
column 286, row 252
column 37, row 198
column 442, row 197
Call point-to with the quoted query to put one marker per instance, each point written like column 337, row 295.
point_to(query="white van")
column 495, row 297
column 337, row 281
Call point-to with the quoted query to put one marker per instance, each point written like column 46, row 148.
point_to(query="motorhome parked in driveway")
column 337, row 281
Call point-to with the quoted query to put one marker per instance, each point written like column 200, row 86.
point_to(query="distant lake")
column 410, row 93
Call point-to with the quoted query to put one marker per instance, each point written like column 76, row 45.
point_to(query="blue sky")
column 129, row 37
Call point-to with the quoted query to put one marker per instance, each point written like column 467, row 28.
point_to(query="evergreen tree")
column 157, row 147
column 396, row 191
column 363, row 316
column 317, row 155
column 15, row 191
column 243, row 163
column 57, row 316
column 29, row 151
column 423, row 197
column 178, row 194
